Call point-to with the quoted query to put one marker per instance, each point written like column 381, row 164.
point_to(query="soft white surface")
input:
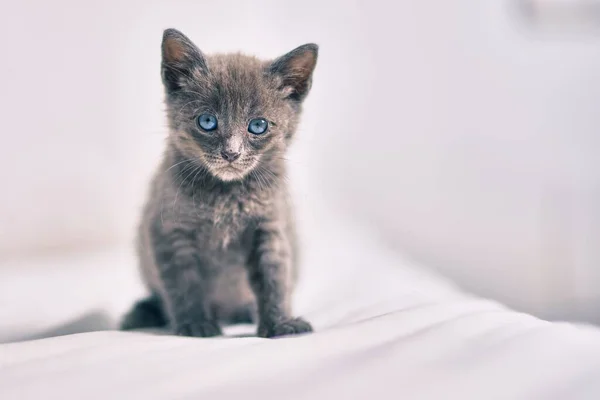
column 384, row 330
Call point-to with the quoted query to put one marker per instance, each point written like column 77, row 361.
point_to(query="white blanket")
column 384, row 330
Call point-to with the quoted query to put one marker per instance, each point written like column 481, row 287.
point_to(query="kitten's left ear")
column 296, row 69
column 180, row 57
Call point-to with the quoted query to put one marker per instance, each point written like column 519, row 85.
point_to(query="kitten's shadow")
column 91, row 322
column 100, row 321
column 241, row 335
column 229, row 332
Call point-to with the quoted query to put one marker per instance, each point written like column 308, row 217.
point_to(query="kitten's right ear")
column 295, row 69
column 180, row 57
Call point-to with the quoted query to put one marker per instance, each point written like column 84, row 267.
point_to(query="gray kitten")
column 217, row 242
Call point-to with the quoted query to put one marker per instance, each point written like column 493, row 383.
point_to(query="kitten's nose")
column 230, row 156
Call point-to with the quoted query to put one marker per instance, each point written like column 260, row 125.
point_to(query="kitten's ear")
column 296, row 69
column 180, row 56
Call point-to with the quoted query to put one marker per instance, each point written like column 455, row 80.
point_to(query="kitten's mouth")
column 230, row 168
column 229, row 172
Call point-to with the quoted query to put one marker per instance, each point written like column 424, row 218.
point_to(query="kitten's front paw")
column 198, row 329
column 290, row 327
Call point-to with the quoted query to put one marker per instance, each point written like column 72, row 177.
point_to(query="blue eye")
column 258, row 126
column 207, row 122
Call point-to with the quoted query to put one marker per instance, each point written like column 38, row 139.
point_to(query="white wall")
column 481, row 156
column 469, row 142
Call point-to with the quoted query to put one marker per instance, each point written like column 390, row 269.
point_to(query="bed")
column 385, row 329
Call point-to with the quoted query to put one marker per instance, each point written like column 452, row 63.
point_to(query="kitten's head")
column 232, row 113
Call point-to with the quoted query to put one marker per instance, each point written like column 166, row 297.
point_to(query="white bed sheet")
column 384, row 330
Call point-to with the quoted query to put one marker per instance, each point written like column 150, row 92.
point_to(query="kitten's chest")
column 226, row 222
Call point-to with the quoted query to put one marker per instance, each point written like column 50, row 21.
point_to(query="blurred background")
column 464, row 134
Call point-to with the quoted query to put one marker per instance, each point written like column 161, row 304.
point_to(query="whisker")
column 176, row 164
column 181, row 184
column 203, row 171
column 179, row 174
column 258, row 179
column 263, row 179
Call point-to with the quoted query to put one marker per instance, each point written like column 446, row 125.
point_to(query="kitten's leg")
column 180, row 269
column 271, row 279
column 146, row 313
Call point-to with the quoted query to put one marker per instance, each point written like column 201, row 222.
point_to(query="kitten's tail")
column 146, row 313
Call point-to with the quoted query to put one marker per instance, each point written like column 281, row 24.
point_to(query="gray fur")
column 217, row 240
